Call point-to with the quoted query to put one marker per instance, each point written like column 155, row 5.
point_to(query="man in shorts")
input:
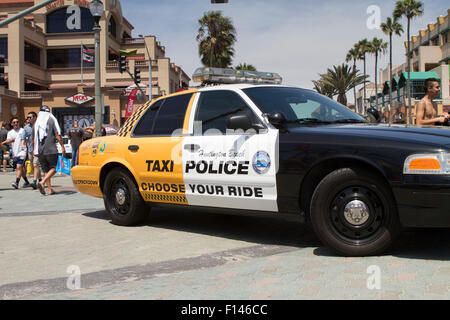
column 32, row 152
column 46, row 133
column 15, row 138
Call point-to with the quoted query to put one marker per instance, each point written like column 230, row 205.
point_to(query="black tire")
column 128, row 208
column 368, row 228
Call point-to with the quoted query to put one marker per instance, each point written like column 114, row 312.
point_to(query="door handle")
column 192, row 147
column 133, row 148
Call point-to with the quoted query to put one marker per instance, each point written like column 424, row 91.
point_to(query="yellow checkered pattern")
column 156, row 197
column 131, row 121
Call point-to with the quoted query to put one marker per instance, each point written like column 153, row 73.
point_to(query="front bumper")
column 424, row 201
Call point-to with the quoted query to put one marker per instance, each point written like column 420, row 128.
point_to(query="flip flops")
column 41, row 189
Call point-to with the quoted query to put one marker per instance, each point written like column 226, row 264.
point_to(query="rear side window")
column 171, row 115
column 145, row 125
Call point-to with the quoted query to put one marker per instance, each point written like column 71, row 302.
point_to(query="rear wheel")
column 123, row 202
column 353, row 212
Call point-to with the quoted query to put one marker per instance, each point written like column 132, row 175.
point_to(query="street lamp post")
column 150, row 84
column 97, row 10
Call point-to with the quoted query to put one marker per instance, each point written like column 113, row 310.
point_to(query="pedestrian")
column 3, row 148
column 32, row 150
column 15, row 138
column 427, row 111
column 76, row 135
column 46, row 133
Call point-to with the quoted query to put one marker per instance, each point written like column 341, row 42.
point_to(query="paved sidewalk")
column 16, row 202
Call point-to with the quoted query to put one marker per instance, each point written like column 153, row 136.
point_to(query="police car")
column 273, row 149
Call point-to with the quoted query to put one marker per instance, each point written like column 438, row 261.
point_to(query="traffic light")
column 122, row 64
column 137, row 75
column 2, row 70
column 219, row 1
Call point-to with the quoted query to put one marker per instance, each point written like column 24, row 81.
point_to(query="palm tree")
column 353, row 54
column 216, row 37
column 244, row 66
column 342, row 78
column 410, row 9
column 377, row 46
column 390, row 27
column 325, row 89
column 363, row 47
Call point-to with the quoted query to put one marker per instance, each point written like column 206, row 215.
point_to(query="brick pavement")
column 195, row 256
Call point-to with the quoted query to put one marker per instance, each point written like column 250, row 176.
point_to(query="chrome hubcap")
column 120, row 196
column 356, row 212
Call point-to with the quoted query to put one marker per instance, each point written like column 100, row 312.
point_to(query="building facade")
column 45, row 64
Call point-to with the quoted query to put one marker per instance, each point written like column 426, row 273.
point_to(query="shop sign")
column 79, row 99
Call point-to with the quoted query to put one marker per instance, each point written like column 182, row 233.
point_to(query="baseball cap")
column 45, row 109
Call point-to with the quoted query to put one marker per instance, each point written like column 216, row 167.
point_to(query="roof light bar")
column 232, row 76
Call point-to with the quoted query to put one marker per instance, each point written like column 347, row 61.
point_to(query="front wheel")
column 123, row 202
column 353, row 212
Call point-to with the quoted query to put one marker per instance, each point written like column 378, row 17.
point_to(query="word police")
column 228, row 167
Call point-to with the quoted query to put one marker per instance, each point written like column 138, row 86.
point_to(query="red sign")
column 130, row 103
column 79, row 98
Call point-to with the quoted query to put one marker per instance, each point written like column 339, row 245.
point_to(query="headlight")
column 438, row 163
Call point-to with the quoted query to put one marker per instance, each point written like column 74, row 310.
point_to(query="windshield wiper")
column 308, row 120
column 350, row 121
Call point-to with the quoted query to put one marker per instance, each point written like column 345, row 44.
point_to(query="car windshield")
column 301, row 106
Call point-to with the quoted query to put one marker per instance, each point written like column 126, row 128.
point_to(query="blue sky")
column 297, row 39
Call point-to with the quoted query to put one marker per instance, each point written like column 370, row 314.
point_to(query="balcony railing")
column 132, row 41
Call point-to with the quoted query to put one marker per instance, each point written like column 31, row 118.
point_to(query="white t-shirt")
column 16, row 146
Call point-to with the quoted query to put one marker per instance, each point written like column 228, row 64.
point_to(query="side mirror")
column 277, row 118
column 239, row 122
column 374, row 114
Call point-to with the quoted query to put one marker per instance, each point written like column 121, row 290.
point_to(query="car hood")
column 430, row 135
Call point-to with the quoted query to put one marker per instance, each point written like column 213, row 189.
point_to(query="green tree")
column 342, row 78
column 390, row 27
column 409, row 9
column 353, row 55
column 216, row 37
column 324, row 89
column 244, row 66
column 363, row 47
column 377, row 47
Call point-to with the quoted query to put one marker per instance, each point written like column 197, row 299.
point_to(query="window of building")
column 4, row 47
column 145, row 125
column 171, row 116
column 70, row 19
column 112, row 27
column 112, row 55
column 32, row 54
column 215, row 107
column 445, row 37
column 66, row 58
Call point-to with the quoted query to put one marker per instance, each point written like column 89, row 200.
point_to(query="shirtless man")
column 427, row 108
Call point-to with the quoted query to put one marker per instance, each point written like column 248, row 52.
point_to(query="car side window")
column 216, row 107
column 145, row 125
column 171, row 115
